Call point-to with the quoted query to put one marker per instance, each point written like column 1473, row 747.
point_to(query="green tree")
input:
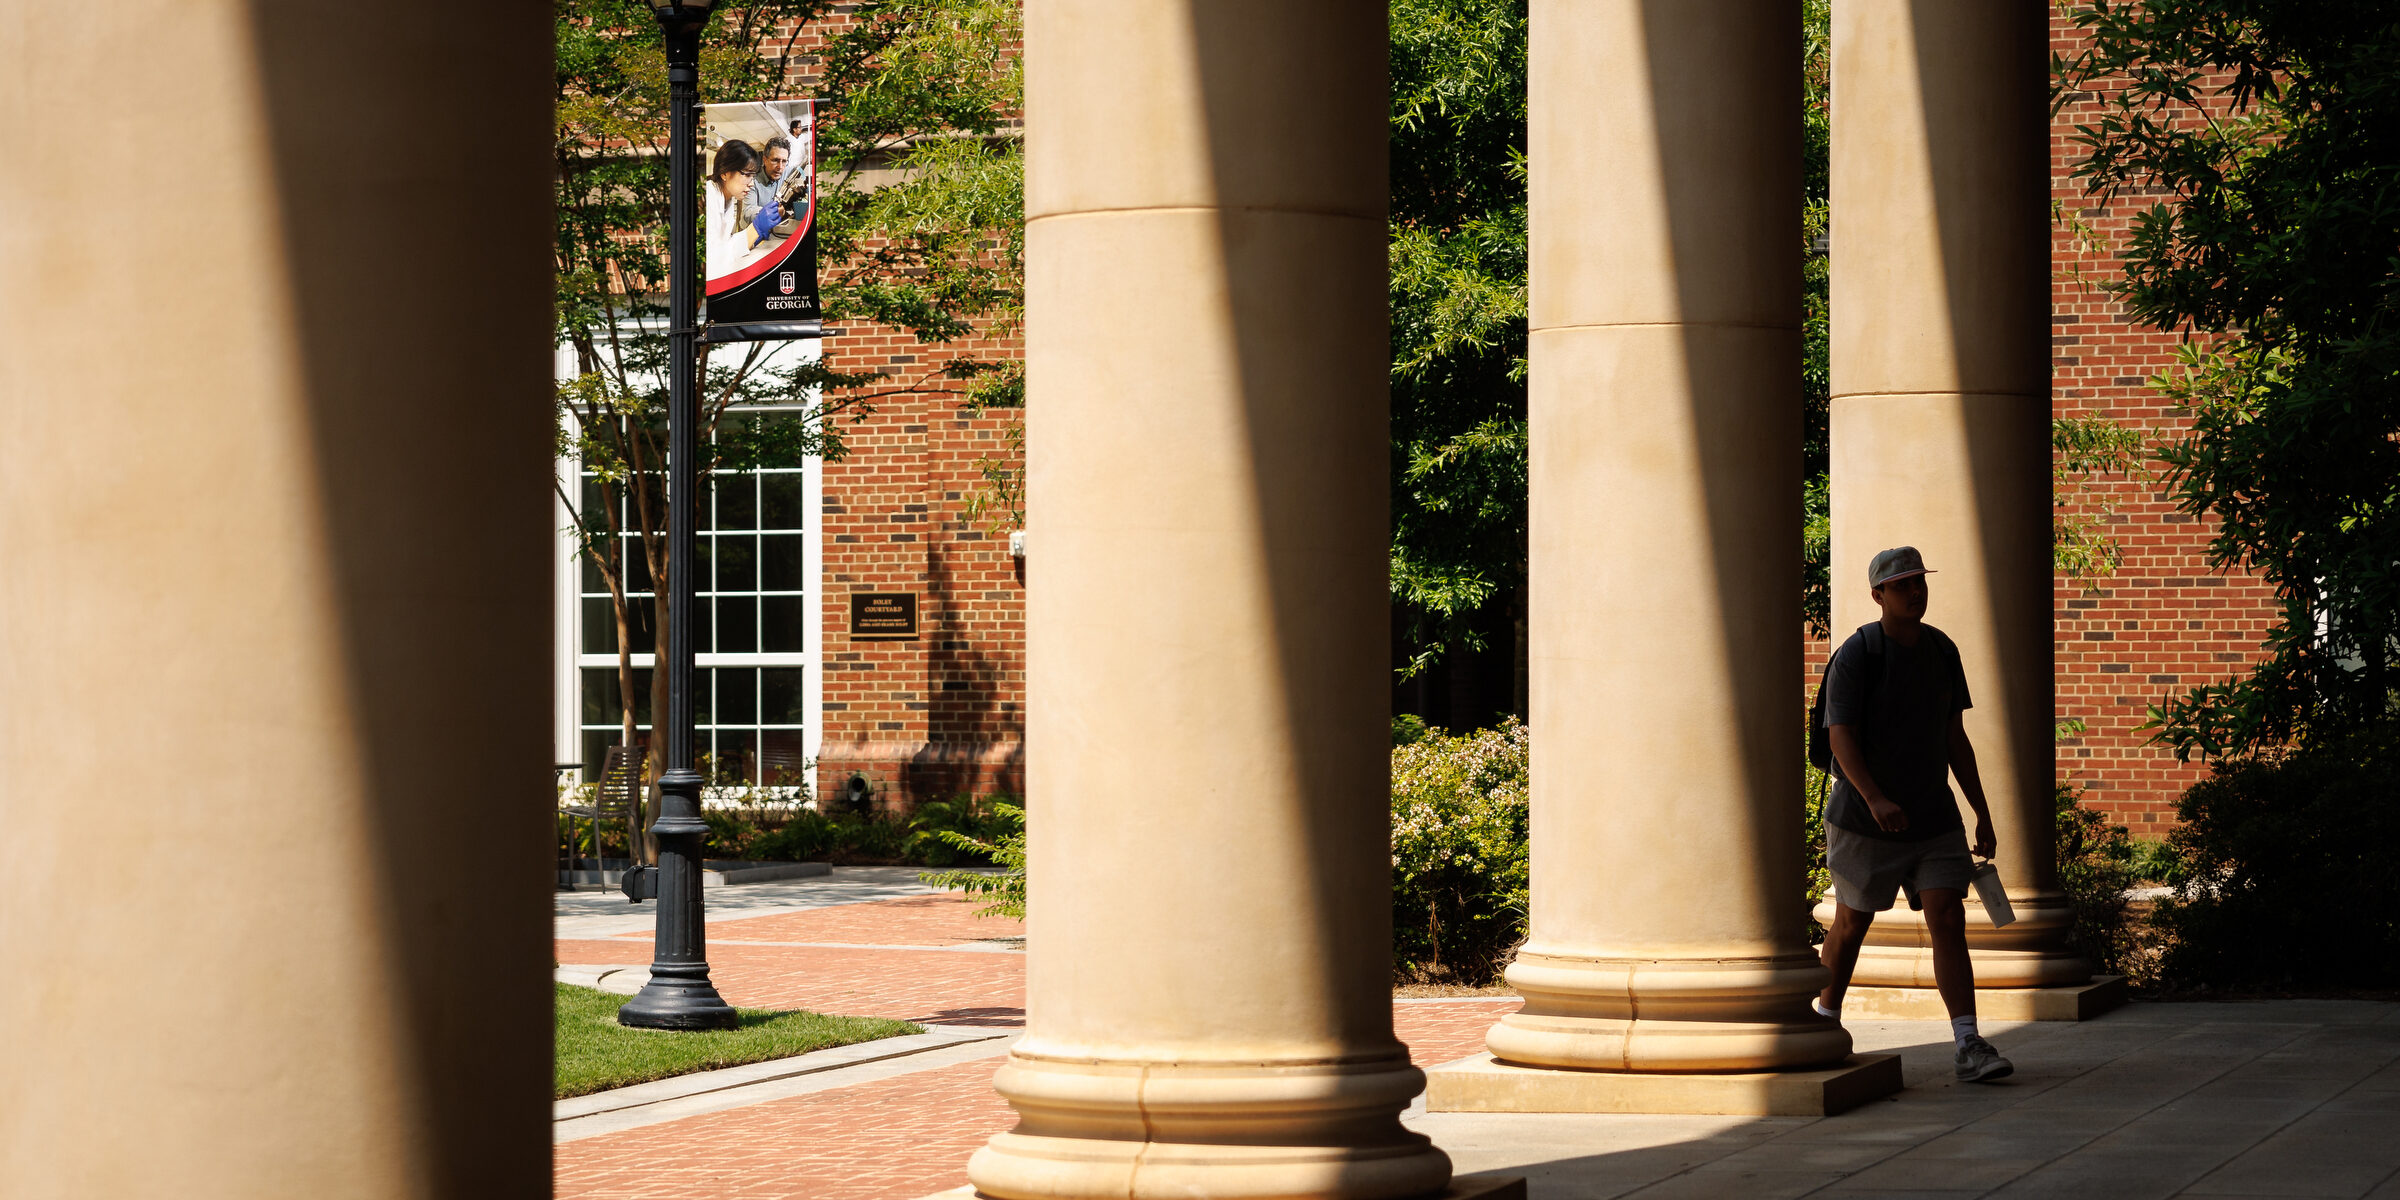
column 919, row 228
column 1816, row 330
column 1458, row 263
column 1458, row 277
column 2269, row 130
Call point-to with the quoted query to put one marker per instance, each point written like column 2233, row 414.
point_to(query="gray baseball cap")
column 1899, row 562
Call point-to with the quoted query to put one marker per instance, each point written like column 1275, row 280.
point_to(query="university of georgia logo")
column 789, row 281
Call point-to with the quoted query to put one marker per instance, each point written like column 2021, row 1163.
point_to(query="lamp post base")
column 673, row 1000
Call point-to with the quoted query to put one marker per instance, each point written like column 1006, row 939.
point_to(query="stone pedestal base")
column 2103, row 993
column 1666, row 1015
column 1152, row 1129
column 1465, row 1187
column 1482, row 1083
column 2032, row 952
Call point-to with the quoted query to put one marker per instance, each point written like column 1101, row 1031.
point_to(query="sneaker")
column 1978, row 1063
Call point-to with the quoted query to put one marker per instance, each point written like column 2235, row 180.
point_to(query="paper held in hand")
column 1994, row 895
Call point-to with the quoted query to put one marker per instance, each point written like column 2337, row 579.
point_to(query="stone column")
column 1208, row 981
column 1668, row 931
column 1941, row 408
column 274, row 645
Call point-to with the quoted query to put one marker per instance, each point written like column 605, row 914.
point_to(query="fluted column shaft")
column 1207, row 630
column 1941, row 407
column 1667, row 926
column 274, row 632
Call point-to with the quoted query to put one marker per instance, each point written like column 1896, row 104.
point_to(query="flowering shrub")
column 1458, row 853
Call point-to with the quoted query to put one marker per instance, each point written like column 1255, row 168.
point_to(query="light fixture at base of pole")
column 679, row 994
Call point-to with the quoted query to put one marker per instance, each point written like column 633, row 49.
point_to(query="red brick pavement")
column 896, row 1139
column 893, row 1139
column 1443, row 1031
column 948, row 987
column 915, row 921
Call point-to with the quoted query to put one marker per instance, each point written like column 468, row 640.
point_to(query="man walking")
column 1895, row 695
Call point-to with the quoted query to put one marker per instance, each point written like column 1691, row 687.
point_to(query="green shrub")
column 1816, row 788
column 804, row 836
column 961, row 831
column 2289, row 879
column 1458, row 853
column 2096, row 863
column 766, row 828
column 2155, row 862
column 1000, row 840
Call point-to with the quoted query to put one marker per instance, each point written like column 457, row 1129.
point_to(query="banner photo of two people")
column 760, row 205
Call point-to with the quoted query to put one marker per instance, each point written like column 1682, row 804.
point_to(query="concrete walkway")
column 2285, row 1098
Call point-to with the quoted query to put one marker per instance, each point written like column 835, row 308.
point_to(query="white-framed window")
column 757, row 691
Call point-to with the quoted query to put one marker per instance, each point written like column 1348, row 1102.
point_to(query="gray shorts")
column 1867, row 871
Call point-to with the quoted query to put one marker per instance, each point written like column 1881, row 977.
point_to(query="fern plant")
column 1004, row 890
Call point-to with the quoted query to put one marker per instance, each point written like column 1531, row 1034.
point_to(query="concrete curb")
column 936, row 1037
column 622, row 980
column 759, row 1083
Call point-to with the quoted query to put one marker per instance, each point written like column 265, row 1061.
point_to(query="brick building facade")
column 943, row 714
column 2162, row 622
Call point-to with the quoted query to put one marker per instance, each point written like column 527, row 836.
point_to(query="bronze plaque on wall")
column 884, row 616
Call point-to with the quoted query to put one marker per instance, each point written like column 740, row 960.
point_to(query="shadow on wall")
column 963, row 714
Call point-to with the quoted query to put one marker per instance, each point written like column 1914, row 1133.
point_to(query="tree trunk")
column 658, row 711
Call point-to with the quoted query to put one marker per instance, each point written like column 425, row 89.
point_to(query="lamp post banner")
column 760, row 201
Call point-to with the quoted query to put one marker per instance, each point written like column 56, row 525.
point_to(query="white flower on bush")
column 1458, row 843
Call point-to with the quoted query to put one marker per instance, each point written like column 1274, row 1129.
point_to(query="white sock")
column 1962, row 1028
column 1818, row 1003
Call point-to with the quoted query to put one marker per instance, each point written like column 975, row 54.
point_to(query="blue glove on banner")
column 767, row 219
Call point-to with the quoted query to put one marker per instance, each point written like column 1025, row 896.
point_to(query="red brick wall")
column 942, row 715
column 2163, row 621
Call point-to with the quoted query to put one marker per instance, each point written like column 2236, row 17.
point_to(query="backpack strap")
column 1820, row 740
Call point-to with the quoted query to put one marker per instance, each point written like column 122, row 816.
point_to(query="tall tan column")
column 1941, row 407
column 1667, row 924
column 273, row 638
column 1208, row 984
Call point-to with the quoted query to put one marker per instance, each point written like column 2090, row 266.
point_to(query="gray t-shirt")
column 1903, row 718
column 762, row 193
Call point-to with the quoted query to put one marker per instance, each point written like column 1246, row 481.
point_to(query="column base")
column 1481, row 1083
column 2034, row 951
column 1162, row 1129
column 1464, row 1187
column 1666, row 1015
column 2072, row 1003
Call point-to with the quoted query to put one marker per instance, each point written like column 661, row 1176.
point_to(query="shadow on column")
column 1320, row 464
column 1747, row 429
column 1991, row 205
column 414, row 184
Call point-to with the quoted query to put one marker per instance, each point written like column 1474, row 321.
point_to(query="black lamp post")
column 679, row 995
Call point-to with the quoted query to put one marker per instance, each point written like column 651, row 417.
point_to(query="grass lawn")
column 595, row 1053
